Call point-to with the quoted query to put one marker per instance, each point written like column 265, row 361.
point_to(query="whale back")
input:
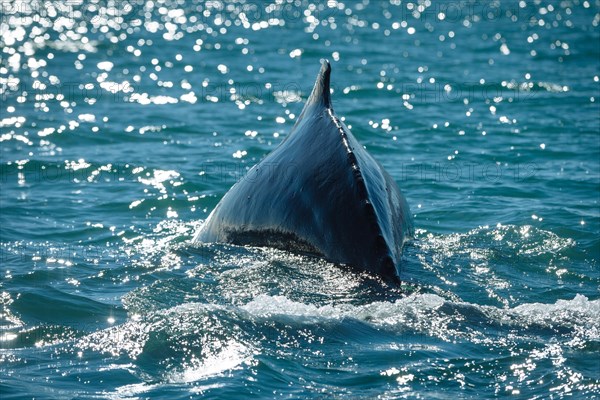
column 319, row 192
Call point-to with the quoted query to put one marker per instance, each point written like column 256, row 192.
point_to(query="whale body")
column 318, row 193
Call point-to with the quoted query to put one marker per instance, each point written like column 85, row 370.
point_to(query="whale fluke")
column 320, row 193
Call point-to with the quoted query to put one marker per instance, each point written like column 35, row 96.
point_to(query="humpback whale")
column 318, row 193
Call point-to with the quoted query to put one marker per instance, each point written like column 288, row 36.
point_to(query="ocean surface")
column 122, row 124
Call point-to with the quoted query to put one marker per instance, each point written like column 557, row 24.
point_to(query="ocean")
column 122, row 124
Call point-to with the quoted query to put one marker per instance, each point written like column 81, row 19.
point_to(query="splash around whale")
column 318, row 193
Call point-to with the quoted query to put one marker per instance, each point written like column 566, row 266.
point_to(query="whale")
column 318, row 193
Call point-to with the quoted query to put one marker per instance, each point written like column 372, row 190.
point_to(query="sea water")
column 122, row 124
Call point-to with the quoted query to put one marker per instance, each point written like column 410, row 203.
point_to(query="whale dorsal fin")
column 318, row 193
column 321, row 94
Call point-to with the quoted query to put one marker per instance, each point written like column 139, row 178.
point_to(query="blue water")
column 123, row 124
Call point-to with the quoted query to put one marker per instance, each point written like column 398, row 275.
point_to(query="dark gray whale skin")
column 319, row 193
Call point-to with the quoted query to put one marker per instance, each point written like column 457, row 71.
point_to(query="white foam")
column 422, row 311
column 376, row 312
column 231, row 356
column 132, row 391
column 562, row 312
column 579, row 303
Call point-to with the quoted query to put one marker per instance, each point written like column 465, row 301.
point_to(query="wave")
column 420, row 311
column 195, row 341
